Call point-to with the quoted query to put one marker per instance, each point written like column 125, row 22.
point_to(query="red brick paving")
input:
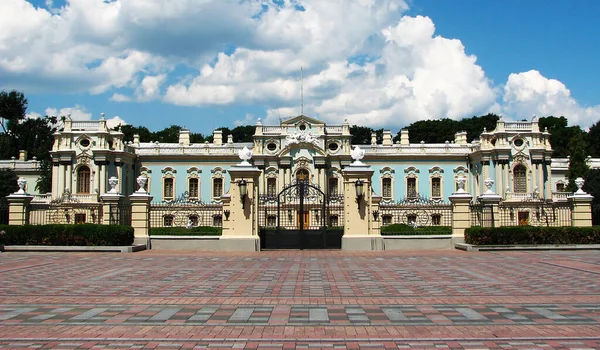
column 436, row 299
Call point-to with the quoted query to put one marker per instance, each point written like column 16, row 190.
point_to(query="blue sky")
column 228, row 62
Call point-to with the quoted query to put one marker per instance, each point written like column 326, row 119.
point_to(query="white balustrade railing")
column 85, row 125
column 560, row 196
column 42, row 198
column 334, row 129
column 520, row 197
column 517, row 126
column 273, row 129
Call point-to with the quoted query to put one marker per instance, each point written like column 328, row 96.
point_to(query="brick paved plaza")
column 301, row 299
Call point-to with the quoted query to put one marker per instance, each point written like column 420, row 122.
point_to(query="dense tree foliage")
column 442, row 130
column 8, row 183
column 34, row 135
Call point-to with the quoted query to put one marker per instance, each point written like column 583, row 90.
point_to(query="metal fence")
column 118, row 213
column 596, row 214
column 73, row 213
column 416, row 211
column 3, row 212
column 184, row 212
column 315, row 212
column 533, row 213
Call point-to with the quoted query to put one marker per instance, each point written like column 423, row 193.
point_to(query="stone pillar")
column 358, row 217
column 491, row 199
column 581, row 204
column 140, row 212
column 111, row 203
column 240, row 232
column 461, row 211
column 18, row 203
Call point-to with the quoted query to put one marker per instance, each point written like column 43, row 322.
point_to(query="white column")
column 55, row 178
column 120, row 177
column 69, row 177
column 61, row 180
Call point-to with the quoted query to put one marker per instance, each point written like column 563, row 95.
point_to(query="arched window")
column 83, row 179
column 193, row 188
column 520, row 179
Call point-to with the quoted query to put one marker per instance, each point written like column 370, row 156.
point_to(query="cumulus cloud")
column 363, row 60
column 117, row 97
column 530, row 93
column 76, row 113
column 115, row 121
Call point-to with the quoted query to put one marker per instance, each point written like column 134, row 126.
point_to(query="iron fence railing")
column 416, row 211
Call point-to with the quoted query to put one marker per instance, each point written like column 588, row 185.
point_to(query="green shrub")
column 406, row 230
column 510, row 235
column 67, row 235
column 182, row 231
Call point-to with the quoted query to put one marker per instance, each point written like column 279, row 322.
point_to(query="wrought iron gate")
column 301, row 216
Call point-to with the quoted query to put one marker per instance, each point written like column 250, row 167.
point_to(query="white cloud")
column 530, row 93
column 363, row 60
column 115, row 121
column 149, row 88
column 248, row 119
column 116, row 97
column 76, row 113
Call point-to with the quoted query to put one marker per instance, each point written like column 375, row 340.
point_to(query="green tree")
column 578, row 150
column 168, row 135
column 594, row 139
column 242, row 133
column 592, row 186
column 560, row 134
column 8, row 183
column 130, row 130
column 361, row 135
column 13, row 106
column 474, row 126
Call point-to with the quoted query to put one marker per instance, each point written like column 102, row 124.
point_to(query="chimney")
column 22, row 155
column 218, row 137
column 229, row 139
column 184, row 137
column 373, row 138
column 136, row 139
column 404, row 137
column 387, row 138
column 460, row 138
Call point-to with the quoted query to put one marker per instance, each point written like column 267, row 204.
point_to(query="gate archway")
column 301, row 216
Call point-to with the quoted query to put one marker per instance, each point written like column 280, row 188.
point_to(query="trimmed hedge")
column 510, row 235
column 67, row 235
column 182, row 231
column 406, row 230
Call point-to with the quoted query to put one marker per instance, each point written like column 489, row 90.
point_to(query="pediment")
column 300, row 118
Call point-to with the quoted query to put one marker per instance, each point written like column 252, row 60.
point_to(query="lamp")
column 359, row 185
column 243, row 191
column 375, row 214
column 227, row 212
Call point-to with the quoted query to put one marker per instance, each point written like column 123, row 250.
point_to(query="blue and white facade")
column 516, row 155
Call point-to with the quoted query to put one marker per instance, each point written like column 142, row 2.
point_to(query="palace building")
column 87, row 157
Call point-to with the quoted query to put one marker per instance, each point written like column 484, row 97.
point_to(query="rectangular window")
column 271, row 220
column 333, row 186
column 411, row 187
column 436, row 219
column 271, row 187
column 80, row 218
column 333, row 220
column 217, row 187
column 193, row 191
column 386, row 187
column 560, row 187
column 217, row 221
column 168, row 188
column 386, row 220
column 436, row 187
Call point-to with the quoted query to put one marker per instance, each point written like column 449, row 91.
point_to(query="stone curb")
column 483, row 248
column 47, row 248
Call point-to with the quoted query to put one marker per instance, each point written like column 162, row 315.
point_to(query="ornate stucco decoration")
column 357, row 154
column 245, row 155
column 84, row 158
column 302, row 162
column 304, row 136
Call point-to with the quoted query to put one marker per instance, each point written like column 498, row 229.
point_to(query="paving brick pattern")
column 301, row 299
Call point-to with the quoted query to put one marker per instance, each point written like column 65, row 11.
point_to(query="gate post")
column 358, row 206
column 18, row 203
column 240, row 230
column 491, row 199
column 111, row 201
column 140, row 213
column 461, row 213
column 581, row 206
